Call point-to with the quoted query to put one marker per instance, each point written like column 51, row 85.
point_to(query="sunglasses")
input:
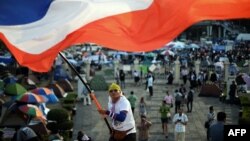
column 111, row 91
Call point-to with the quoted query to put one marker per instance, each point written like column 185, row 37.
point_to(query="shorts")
column 164, row 120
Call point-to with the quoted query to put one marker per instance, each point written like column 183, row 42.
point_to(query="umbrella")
column 31, row 98
column 31, row 110
column 49, row 94
column 14, row 89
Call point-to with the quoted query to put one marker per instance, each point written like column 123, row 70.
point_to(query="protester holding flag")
column 119, row 110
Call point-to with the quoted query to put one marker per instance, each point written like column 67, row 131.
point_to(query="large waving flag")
column 36, row 30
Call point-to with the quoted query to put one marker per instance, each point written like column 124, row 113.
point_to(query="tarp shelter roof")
column 243, row 36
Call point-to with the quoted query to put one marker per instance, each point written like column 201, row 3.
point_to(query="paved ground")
column 88, row 119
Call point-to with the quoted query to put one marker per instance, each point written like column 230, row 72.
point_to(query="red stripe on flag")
column 143, row 30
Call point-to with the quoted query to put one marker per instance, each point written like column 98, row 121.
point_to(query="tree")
column 59, row 119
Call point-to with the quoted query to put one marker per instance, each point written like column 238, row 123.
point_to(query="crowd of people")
column 121, row 110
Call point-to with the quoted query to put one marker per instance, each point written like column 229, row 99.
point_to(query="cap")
column 114, row 86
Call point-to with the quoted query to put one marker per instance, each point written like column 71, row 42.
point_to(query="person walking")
column 117, row 76
column 170, row 78
column 169, row 99
column 142, row 107
column 150, row 85
column 216, row 130
column 184, row 74
column 85, row 96
column 180, row 120
column 119, row 110
column 210, row 120
column 132, row 100
column 143, row 129
column 136, row 77
column 165, row 111
column 178, row 99
column 122, row 78
column 232, row 92
column 190, row 98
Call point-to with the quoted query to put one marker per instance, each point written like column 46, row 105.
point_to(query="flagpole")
column 88, row 88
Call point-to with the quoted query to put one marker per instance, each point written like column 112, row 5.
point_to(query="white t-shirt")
column 150, row 81
column 85, row 137
column 136, row 74
column 122, row 105
column 179, row 127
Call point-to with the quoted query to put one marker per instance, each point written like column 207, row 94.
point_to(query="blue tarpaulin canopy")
column 219, row 48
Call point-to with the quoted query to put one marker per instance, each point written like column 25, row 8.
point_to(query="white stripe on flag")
column 64, row 17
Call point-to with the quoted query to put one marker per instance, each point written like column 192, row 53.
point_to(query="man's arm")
column 185, row 120
column 119, row 117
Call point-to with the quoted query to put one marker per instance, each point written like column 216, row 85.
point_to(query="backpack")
column 190, row 96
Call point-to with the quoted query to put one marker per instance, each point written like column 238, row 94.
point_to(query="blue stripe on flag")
column 15, row 12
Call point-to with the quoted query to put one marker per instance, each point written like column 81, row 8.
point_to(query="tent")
column 6, row 59
column 39, row 127
column 176, row 45
column 210, row 90
column 59, row 92
column 219, row 48
column 193, row 46
column 66, row 85
column 14, row 89
column 243, row 36
column 11, row 116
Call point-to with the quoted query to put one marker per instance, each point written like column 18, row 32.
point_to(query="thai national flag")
column 36, row 30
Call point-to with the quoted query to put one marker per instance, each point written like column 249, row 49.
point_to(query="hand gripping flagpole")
column 98, row 105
